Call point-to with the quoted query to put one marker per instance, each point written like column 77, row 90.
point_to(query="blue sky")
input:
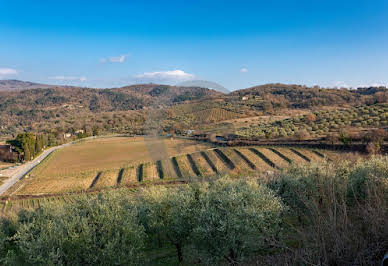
column 235, row 43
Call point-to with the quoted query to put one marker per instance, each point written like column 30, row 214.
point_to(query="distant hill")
column 156, row 94
column 12, row 84
column 204, row 84
column 134, row 97
column 62, row 107
column 300, row 96
column 128, row 109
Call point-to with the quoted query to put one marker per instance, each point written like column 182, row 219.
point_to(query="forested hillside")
column 146, row 108
column 71, row 108
column 299, row 96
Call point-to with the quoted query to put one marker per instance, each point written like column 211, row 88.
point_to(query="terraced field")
column 205, row 163
column 96, row 163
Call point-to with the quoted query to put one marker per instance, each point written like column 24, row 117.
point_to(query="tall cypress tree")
column 38, row 144
column 27, row 153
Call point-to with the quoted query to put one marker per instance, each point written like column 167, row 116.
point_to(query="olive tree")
column 169, row 213
column 234, row 217
column 100, row 230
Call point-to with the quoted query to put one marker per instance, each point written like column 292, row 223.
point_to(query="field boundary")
column 264, row 158
column 95, row 180
column 242, row 156
column 120, row 176
column 209, row 162
column 354, row 147
column 304, row 157
column 193, row 165
column 281, row 155
column 225, row 159
column 176, row 167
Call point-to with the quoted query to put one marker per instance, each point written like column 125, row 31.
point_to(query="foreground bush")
column 369, row 180
column 91, row 231
column 342, row 212
column 235, row 218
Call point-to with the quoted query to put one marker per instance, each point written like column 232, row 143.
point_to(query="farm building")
column 8, row 154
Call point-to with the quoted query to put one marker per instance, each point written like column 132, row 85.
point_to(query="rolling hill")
column 164, row 108
column 12, row 84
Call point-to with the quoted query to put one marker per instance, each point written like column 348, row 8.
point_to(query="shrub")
column 300, row 186
column 346, row 209
column 302, row 134
column 368, row 179
column 8, row 249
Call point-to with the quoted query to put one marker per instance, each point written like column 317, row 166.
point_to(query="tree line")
column 30, row 145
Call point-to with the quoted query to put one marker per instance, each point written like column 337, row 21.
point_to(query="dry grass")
column 129, row 176
column 2, row 179
column 116, row 152
column 256, row 160
column 202, row 165
column 107, row 179
column 184, row 166
column 168, row 169
column 150, row 172
column 289, row 154
column 273, row 157
column 75, row 168
column 220, row 165
column 51, row 184
column 4, row 164
column 311, row 155
column 240, row 164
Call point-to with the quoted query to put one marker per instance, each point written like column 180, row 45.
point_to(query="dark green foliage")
column 29, row 144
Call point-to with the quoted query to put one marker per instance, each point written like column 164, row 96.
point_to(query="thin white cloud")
column 69, row 78
column 374, row 84
column 8, row 71
column 171, row 75
column 243, row 70
column 115, row 59
column 341, row 84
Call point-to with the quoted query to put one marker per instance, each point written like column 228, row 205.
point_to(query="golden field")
column 74, row 167
column 122, row 161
